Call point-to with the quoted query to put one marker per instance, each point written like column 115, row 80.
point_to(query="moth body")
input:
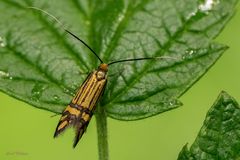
column 80, row 110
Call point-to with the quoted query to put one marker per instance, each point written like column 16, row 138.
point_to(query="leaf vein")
column 166, row 47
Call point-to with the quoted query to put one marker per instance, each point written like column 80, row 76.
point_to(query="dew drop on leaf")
column 190, row 53
column 174, row 102
column 190, row 15
column 37, row 91
column 207, row 5
column 4, row 74
column 2, row 42
column 66, row 90
column 120, row 17
column 56, row 98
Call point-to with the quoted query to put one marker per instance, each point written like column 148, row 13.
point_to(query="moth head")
column 103, row 67
column 102, row 71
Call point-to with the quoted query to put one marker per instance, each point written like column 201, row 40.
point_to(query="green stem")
column 101, row 120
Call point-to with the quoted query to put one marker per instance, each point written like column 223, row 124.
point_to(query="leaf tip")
column 225, row 96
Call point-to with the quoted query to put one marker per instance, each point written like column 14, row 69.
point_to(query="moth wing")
column 83, row 122
column 80, row 129
column 69, row 117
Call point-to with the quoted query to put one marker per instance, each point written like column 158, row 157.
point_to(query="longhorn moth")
column 80, row 110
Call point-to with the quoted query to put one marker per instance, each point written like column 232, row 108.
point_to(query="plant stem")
column 101, row 120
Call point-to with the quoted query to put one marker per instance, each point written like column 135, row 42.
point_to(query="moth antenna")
column 140, row 59
column 55, row 18
column 69, row 32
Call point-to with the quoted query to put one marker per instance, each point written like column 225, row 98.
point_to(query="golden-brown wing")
column 79, row 112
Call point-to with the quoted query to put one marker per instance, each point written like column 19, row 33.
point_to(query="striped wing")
column 79, row 112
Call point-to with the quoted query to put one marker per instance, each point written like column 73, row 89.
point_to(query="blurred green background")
column 27, row 132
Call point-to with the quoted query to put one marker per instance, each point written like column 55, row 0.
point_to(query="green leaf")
column 43, row 66
column 219, row 137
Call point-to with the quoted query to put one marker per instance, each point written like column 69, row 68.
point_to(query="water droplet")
column 189, row 54
column 174, row 103
column 192, row 14
column 4, row 74
column 207, row 5
column 2, row 42
column 74, row 85
column 120, row 17
column 65, row 90
column 56, row 97
column 37, row 91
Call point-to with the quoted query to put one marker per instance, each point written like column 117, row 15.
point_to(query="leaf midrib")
column 130, row 11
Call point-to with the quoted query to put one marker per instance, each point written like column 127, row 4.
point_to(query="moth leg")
column 56, row 114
